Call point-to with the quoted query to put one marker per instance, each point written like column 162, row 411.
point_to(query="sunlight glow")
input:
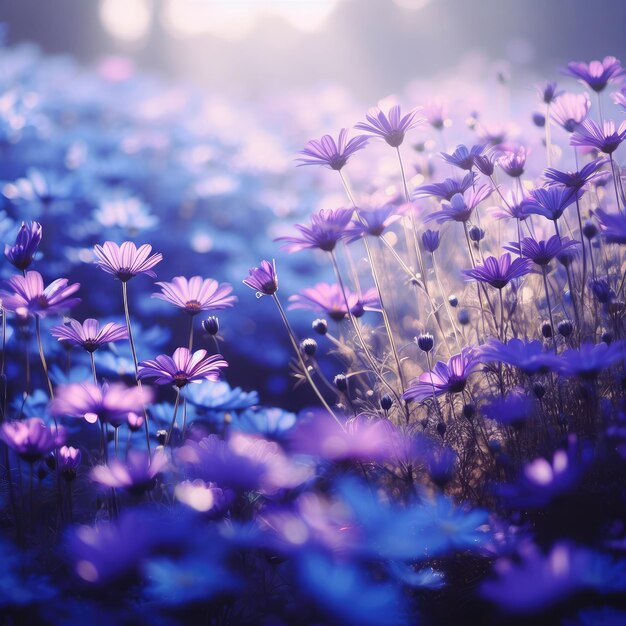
column 127, row 20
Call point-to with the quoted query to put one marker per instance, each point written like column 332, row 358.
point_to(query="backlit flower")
column 263, row 279
column 89, row 335
column 499, row 272
column 330, row 153
column 31, row 439
column 596, row 74
column 327, row 228
column 183, row 367
column 21, row 253
column 126, row 261
column 391, row 127
column 196, row 294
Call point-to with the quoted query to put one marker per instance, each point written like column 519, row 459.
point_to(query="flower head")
column 499, row 272
column 446, row 189
column 550, row 201
column 21, row 253
column 31, row 438
column 462, row 157
column 450, row 377
column 391, row 127
column 263, row 279
column 578, row 179
column 28, row 296
column 109, row 403
column 372, row 221
column 69, row 459
column 430, row 240
column 461, row 206
column 89, row 335
column 530, row 357
column 612, row 226
column 596, row 74
column 570, row 109
column 183, row 367
column 548, row 92
column 330, row 153
column 137, row 475
column 542, row 252
column 330, row 300
column 126, row 261
column 327, row 228
column 606, row 139
column 591, row 359
column 513, row 162
column 196, row 294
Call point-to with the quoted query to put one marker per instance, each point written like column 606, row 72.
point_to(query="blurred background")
column 371, row 47
column 177, row 122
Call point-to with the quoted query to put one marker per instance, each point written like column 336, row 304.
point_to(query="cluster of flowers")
column 464, row 464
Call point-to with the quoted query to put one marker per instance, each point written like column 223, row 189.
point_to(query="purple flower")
column 590, row 360
column 461, row 206
column 327, row 152
column 126, row 261
column 548, row 92
column 195, row 294
column 513, row 162
column 31, row 439
column 21, row 253
column 28, row 296
column 511, row 410
column 243, row 463
column 391, row 127
column 606, row 139
column 263, row 279
column 137, row 475
column 499, row 272
column 462, row 157
column 329, row 299
column 596, row 74
column 550, row 201
column 613, row 226
column 363, row 439
column 430, row 240
column 203, row 497
column 619, row 97
column 541, row 252
column 447, row 188
column 436, row 114
column 570, row 109
column 327, row 228
column 530, row 357
column 89, row 335
column 444, row 378
column 576, row 180
column 372, row 221
column 183, row 367
column 485, row 164
column 109, row 403
column 512, row 207
column 68, row 460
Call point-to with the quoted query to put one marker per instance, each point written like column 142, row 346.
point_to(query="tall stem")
column 42, row 356
column 190, row 333
column 614, row 176
column 135, row 362
column 294, row 343
column 93, row 369
column 547, row 291
column 171, row 428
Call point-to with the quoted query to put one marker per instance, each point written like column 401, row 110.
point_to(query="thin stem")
column 548, row 137
column 545, row 286
column 93, row 368
column 42, row 356
column 305, row 370
column 171, row 428
column 619, row 206
column 135, row 362
column 3, row 377
column 190, row 333
column 502, row 337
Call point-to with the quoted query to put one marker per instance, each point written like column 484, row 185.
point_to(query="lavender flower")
column 327, row 228
column 578, row 179
column 550, row 201
column 182, row 368
column 499, row 272
column 606, row 139
column 596, row 74
column 590, row 360
column 430, row 240
column 447, row 188
column 109, row 403
column 263, row 279
column 21, row 253
column 461, row 206
column 391, row 127
column 327, row 152
column 542, row 252
column 126, row 261
column 530, row 357
column 136, row 476
column 372, row 221
column 89, row 335
column 69, row 459
column 462, row 157
column 329, row 299
column 196, row 294
column 28, row 296
column 613, row 226
column 513, row 162
column 548, row 92
column 444, row 378
column 570, row 109
column 619, row 97
column 31, row 439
